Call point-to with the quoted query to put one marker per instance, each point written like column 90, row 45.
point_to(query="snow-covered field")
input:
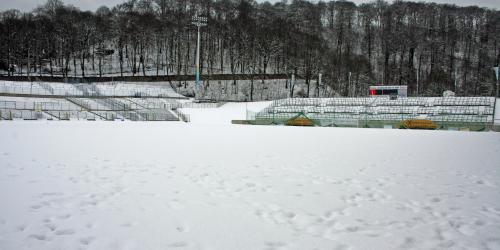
column 212, row 185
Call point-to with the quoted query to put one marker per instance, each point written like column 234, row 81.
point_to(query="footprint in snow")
column 51, row 226
column 436, row 199
column 182, row 228
column 65, row 232
column 86, row 241
column 175, row 204
column 178, row 244
column 39, row 237
column 275, row 244
column 342, row 247
column 64, row 216
column 21, row 228
column 127, row 224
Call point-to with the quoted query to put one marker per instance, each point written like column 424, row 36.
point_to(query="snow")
column 213, row 185
column 224, row 115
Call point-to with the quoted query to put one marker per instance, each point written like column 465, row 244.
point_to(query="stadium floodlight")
column 198, row 22
column 496, row 74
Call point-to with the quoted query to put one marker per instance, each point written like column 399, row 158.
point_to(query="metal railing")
column 445, row 110
column 88, row 90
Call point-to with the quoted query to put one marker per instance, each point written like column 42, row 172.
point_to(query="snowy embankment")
column 172, row 185
column 224, row 115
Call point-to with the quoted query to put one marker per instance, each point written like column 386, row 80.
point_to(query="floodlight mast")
column 198, row 22
column 497, row 76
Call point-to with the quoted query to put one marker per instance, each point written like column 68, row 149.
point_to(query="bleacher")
column 111, row 89
column 99, row 101
column 379, row 111
column 82, row 109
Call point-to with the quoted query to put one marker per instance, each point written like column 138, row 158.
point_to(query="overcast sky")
column 28, row 5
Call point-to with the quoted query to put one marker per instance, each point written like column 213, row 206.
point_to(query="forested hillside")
column 435, row 47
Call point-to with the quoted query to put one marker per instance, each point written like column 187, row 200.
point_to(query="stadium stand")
column 104, row 89
column 98, row 101
column 448, row 112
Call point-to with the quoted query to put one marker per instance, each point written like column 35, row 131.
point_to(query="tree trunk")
column 251, row 89
column 82, row 64
column 120, row 55
column 74, row 64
